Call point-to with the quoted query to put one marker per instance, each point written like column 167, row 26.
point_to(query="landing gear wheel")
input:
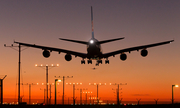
column 82, row 61
column 89, row 61
column 106, row 61
column 99, row 61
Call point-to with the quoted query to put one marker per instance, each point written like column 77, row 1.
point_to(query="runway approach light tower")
column 1, row 90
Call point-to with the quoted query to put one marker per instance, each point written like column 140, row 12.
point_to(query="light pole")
column 47, row 67
column 74, row 90
column 45, row 91
column 63, row 85
column 44, row 94
column 1, row 90
column 138, row 100
column 172, row 93
column 30, row 91
column 81, row 89
column 156, row 100
column 19, row 68
column 118, row 91
column 97, row 84
column 55, row 89
column 86, row 96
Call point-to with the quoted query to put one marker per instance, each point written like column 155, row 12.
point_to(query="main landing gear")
column 107, row 61
column 83, row 61
column 97, row 62
column 89, row 61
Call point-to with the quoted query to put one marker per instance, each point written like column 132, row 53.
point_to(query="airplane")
column 94, row 51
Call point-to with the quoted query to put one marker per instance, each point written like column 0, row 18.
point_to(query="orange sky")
column 140, row 23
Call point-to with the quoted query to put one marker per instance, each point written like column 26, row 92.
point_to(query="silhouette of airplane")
column 94, row 51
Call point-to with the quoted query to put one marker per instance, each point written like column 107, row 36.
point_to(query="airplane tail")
column 92, row 26
column 84, row 42
column 100, row 42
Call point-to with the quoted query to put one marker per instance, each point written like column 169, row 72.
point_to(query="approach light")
column 91, row 41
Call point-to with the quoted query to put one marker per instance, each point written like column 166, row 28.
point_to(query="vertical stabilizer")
column 92, row 22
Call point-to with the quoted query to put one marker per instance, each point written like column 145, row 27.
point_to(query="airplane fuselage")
column 94, row 49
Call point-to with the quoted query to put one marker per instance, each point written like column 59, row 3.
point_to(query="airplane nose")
column 91, row 41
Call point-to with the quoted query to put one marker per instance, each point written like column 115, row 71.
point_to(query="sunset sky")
column 141, row 22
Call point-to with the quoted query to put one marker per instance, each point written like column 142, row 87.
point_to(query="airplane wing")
column 82, row 55
column 106, row 55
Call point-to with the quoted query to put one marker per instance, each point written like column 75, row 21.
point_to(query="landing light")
column 91, row 41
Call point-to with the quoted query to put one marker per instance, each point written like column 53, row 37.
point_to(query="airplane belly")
column 93, row 53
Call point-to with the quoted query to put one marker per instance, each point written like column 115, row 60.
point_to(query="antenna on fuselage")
column 92, row 22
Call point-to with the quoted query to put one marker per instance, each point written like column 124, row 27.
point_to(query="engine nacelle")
column 46, row 53
column 123, row 57
column 68, row 57
column 144, row 53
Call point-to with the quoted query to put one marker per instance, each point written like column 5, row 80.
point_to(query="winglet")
column 171, row 40
column 92, row 22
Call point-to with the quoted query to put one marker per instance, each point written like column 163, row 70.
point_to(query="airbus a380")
column 94, row 51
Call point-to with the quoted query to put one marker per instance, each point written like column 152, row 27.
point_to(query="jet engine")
column 144, row 52
column 68, row 57
column 46, row 53
column 123, row 57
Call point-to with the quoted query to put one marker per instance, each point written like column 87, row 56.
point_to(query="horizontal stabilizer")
column 77, row 41
column 110, row 40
